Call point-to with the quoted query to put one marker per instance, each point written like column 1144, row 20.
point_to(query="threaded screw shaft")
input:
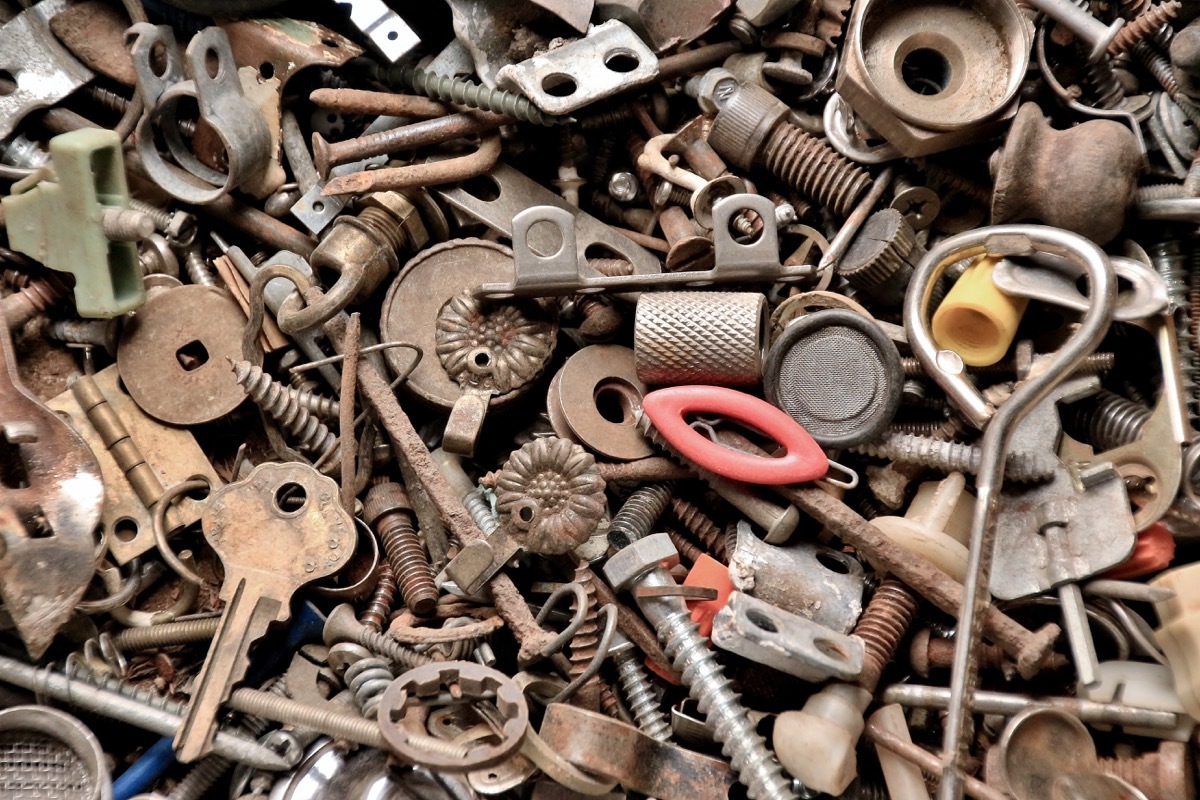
column 283, row 404
column 200, row 778
column 746, row 750
column 471, row 95
column 950, row 180
column 160, row 216
column 126, row 224
column 639, row 513
column 814, row 169
column 881, row 627
column 584, row 644
column 701, row 526
column 688, row 550
column 96, row 332
column 639, row 694
column 1143, row 26
column 334, row 724
column 197, row 268
column 25, row 304
column 387, row 510
column 954, row 456
column 380, row 605
column 153, row 637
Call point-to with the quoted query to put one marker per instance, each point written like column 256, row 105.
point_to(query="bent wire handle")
column 998, row 424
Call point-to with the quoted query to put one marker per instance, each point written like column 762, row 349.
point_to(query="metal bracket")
column 385, row 29
column 1070, row 528
column 559, row 272
column 608, row 60
column 44, row 70
column 47, row 517
column 784, row 641
column 805, row 578
column 1054, row 280
column 515, row 192
column 217, row 90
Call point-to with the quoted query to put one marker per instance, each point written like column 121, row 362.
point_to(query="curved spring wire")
column 579, row 594
column 610, row 628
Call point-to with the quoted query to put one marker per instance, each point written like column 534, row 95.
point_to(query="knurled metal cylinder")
column 743, row 124
column 711, row 338
column 880, row 260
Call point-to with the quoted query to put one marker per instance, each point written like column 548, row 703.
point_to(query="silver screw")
column 126, row 224
column 639, row 692
column 197, row 268
column 623, row 187
column 342, row 625
column 946, row 456
column 96, row 332
column 638, row 566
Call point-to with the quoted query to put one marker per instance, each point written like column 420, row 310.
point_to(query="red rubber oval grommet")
column 667, row 409
column 1153, row 553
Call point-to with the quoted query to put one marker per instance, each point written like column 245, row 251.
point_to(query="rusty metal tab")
column 608, row 747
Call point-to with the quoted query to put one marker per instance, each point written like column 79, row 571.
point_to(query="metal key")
column 277, row 530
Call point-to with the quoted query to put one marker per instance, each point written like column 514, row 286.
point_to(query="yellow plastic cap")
column 977, row 320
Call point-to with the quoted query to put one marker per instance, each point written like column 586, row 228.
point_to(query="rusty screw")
column 1165, row 774
column 389, row 513
column 881, row 627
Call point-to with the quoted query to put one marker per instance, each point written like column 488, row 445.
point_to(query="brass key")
column 275, row 531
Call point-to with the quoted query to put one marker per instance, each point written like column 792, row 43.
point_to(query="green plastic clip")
column 74, row 217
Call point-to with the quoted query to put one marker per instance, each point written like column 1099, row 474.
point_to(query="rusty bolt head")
column 385, row 498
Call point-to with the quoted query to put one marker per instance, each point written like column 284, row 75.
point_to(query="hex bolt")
column 751, row 128
column 639, row 566
column 342, row 625
column 639, row 691
column 389, row 513
column 1079, row 21
column 94, row 332
column 954, row 456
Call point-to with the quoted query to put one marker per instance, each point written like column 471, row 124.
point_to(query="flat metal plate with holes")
column 386, row 30
column 558, row 273
column 804, row 578
column 44, row 71
column 787, row 642
column 498, row 196
column 1141, row 291
column 1073, row 527
column 609, row 60
column 171, row 452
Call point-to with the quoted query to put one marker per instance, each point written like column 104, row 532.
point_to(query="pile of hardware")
column 599, row 398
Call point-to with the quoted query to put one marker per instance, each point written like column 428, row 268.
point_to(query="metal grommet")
column 837, row 374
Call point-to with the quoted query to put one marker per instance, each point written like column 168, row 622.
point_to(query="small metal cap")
column 837, row 374
column 384, row 498
column 743, row 124
column 880, row 259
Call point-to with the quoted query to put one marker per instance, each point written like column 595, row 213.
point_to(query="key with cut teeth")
column 277, row 530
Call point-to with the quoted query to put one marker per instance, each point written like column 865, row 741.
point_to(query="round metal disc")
column 837, row 374
column 417, row 296
column 173, row 351
column 595, row 398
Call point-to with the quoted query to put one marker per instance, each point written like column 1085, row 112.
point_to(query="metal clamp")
column 215, row 87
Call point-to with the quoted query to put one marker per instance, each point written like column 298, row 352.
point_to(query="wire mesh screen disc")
column 46, row 754
column 837, row 374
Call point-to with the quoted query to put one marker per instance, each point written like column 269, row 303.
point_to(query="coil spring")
column 367, row 679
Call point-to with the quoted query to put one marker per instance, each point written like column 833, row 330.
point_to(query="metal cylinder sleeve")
column 713, row 338
column 837, row 374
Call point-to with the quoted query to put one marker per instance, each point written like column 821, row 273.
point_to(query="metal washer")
column 837, row 374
